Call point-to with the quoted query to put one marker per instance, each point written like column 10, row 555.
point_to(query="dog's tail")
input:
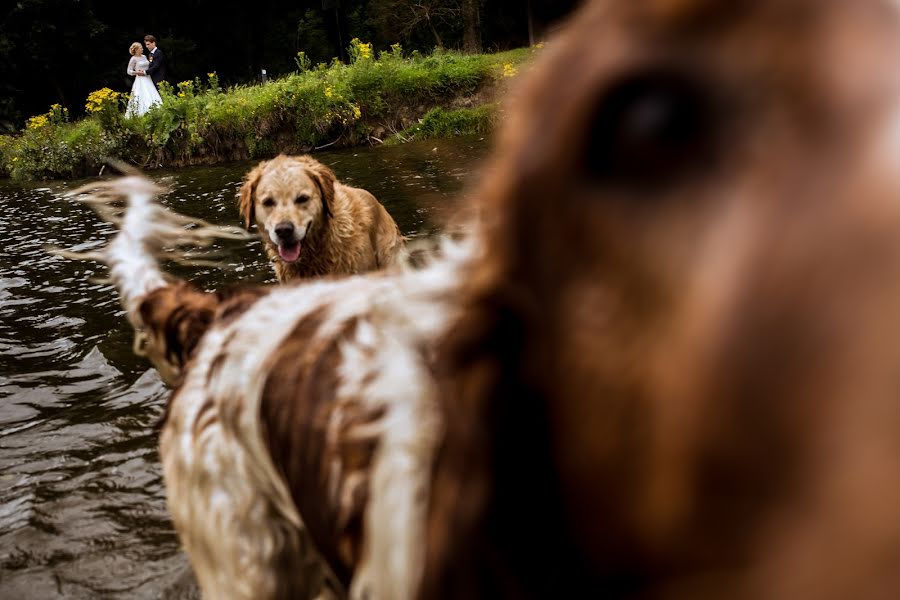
column 168, row 316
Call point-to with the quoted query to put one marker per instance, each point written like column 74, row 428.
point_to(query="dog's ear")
column 247, row 198
column 174, row 318
column 325, row 179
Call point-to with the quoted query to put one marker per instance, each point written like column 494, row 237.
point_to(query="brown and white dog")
column 665, row 364
column 312, row 225
column 297, row 442
column 677, row 373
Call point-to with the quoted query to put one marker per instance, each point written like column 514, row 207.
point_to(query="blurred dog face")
column 287, row 197
column 694, row 211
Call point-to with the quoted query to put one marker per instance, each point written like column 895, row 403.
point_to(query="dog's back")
column 387, row 243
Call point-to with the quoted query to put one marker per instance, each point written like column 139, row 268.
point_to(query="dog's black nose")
column 285, row 231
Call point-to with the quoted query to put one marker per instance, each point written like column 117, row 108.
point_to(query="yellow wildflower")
column 37, row 122
column 361, row 50
column 99, row 99
column 509, row 70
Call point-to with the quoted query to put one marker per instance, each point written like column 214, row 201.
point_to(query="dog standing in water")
column 313, row 225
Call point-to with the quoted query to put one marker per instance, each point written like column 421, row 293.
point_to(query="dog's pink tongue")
column 289, row 253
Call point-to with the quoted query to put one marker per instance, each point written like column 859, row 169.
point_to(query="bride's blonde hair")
column 135, row 49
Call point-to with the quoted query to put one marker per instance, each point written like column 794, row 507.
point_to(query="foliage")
column 67, row 150
column 303, row 62
column 311, row 37
column 37, row 42
column 104, row 105
column 60, row 50
column 441, row 123
column 326, row 105
column 37, row 122
column 6, row 146
column 359, row 51
column 57, row 115
column 432, row 20
column 213, row 80
column 102, row 100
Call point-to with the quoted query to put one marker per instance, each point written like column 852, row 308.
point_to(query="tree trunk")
column 530, row 23
column 472, row 19
column 437, row 37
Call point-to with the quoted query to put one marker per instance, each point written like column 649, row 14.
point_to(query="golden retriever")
column 312, row 225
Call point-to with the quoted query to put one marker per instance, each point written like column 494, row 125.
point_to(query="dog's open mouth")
column 289, row 251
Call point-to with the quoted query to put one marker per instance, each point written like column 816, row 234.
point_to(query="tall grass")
column 367, row 101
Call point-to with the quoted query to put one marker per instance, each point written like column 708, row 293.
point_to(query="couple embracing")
column 147, row 72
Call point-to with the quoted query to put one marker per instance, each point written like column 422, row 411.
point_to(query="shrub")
column 57, row 115
column 105, row 105
column 450, row 123
column 359, row 51
column 6, row 145
column 70, row 150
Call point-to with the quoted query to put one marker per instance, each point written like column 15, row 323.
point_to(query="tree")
column 35, row 37
column 409, row 16
column 471, row 13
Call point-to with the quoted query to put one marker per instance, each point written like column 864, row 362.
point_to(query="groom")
column 157, row 69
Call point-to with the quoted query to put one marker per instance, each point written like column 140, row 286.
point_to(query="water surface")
column 82, row 503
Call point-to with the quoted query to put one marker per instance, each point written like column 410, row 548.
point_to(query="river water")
column 82, row 503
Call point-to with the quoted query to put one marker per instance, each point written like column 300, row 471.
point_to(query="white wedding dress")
column 143, row 92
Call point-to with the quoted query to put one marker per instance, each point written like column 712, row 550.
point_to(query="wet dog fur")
column 312, row 225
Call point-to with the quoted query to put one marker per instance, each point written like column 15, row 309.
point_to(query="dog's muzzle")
column 284, row 231
column 288, row 244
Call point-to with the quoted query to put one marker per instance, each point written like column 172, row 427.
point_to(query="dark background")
column 58, row 51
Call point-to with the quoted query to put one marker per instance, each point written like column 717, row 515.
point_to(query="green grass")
column 325, row 105
column 442, row 123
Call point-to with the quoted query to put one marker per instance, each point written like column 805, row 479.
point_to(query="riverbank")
column 385, row 99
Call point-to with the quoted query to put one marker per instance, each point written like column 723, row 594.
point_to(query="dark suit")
column 157, row 69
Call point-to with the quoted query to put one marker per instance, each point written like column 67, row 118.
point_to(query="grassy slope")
column 368, row 101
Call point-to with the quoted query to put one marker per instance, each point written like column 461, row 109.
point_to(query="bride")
column 143, row 92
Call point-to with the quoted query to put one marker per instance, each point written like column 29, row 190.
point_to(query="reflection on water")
column 82, row 504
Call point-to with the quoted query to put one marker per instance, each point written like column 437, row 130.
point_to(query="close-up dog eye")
column 301, row 199
column 268, row 202
column 647, row 128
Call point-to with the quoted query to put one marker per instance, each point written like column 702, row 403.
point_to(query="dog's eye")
column 268, row 202
column 301, row 199
column 649, row 128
